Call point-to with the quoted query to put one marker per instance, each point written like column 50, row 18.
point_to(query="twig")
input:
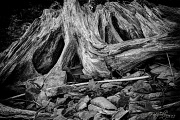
column 116, row 80
column 175, row 104
column 14, row 97
column 37, row 112
column 170, row 67
column 105, row 81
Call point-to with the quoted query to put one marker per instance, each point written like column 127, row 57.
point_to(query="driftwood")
column 114, row 37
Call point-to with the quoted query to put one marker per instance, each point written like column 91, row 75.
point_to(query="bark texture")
column 114, row 37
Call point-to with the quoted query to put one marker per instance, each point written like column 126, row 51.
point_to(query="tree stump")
column 115, row 37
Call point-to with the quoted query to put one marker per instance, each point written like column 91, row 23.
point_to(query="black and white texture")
column 96, row 37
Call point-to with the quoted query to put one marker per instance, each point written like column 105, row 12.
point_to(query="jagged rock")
column 82, row 103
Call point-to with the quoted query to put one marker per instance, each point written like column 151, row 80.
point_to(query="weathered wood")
column 7, row 112
column 116, row 35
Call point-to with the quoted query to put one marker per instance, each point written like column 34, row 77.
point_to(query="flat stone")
column 103, row 103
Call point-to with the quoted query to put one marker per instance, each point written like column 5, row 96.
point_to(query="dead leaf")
column 159, row 69
column 92, row 85
column 165, row 72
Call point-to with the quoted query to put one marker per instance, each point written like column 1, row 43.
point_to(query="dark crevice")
column 107, row 34
column 75, row 61
column 122, row 33
column 46, row 56
column 74, row 69
column 116, row 74
column 100, row 28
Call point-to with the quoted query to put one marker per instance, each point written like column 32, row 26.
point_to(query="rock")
column 86, row 115
column 165, row 72
column 158, row 69
column 142, row 87
column 136, row 74
column 103, row 103
column 39, row 80
column 120, row 99
column 133, row 108
column 60, row 101
column 44, row 103
column 53, row 81
column 168, row 75
column 48, row 105
column 107, row 85
column 127, row 89
column 60, row 117
column 121, row 112
column 82, row 103
column 114, row 99
column 42, row 96
column 57, row 112
column 56, row 77
column 172, row 84
column 163, row 69
column 108, row 112
column 153, row 66
column 99, row 116
column 92, row 107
